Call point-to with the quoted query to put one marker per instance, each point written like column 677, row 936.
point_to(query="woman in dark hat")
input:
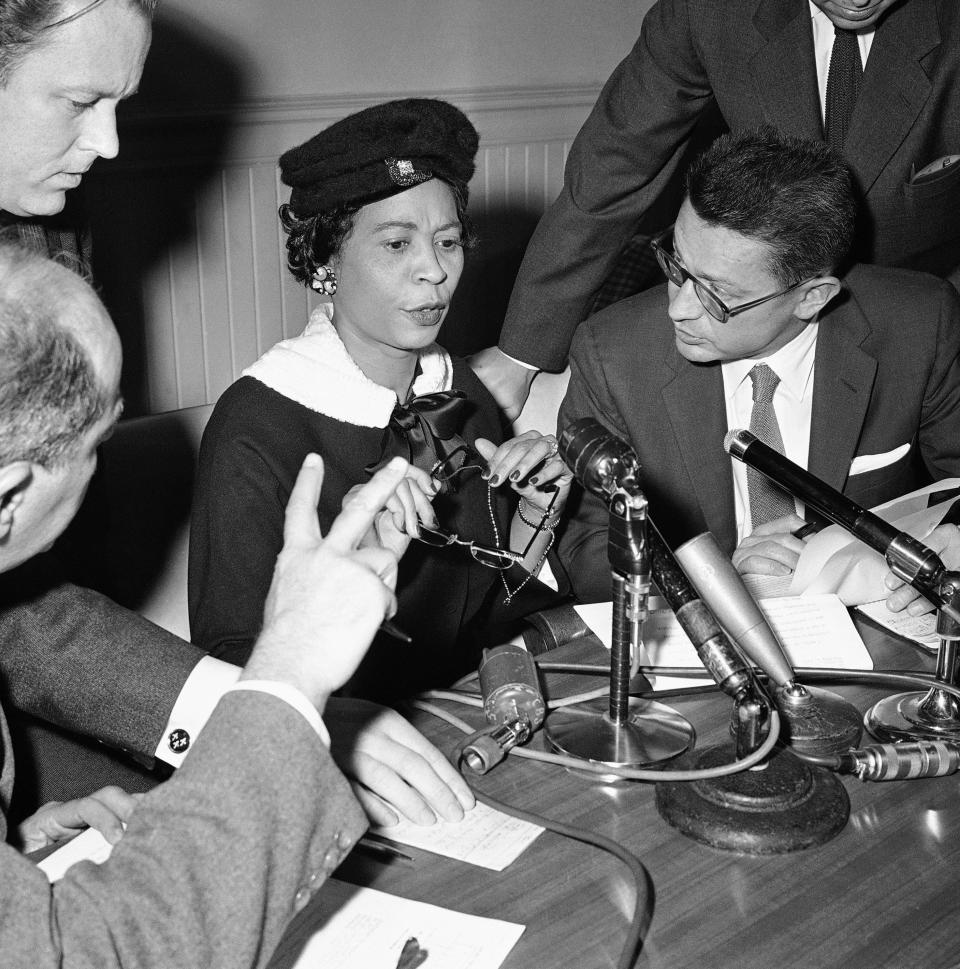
column 376, row 224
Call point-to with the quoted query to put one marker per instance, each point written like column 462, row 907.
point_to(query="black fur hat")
column 378, row 152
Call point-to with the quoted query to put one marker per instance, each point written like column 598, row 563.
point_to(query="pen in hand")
column 389, row 627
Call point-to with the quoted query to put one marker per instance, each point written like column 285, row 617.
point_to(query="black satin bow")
column 417, row 429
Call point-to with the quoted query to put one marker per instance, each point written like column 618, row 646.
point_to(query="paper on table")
column 921, row 629
column 365, row 927
column 814, row 631
column 89, row 845
column 485, row 837
column 833, row 561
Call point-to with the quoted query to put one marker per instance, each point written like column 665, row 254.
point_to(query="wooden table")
column 883, row 893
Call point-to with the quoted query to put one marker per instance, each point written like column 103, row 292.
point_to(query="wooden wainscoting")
column 189, row 253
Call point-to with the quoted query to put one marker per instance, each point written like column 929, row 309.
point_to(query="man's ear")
column 815, row 294
column 14, row 480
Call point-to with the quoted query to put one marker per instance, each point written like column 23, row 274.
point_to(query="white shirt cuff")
column 201, row 692
column 528, row 366
column 290, row 695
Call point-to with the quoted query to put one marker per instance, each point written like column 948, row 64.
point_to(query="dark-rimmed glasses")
column 709, row 300
column 465, row 458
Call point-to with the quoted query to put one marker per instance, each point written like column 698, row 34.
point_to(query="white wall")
column 188, row 249
column 291, row 48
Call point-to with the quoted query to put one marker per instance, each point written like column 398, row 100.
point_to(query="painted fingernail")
column 534, row 480
column 494, row 479
column 485, row 475
column 514, row 475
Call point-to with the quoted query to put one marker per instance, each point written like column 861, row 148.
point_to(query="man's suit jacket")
column 214, row 863
column 754, row 61
column 887, row 373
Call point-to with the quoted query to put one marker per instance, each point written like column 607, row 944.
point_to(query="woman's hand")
column 530, row 464
column 399, row 520
column 107, row 810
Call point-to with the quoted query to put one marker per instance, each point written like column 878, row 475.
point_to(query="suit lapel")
column 694, row 404
column 785, row 63
column 895, row 88
column 842, row 382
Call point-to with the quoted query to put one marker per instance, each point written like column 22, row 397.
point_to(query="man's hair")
column 23, row 24
column 49, row 394
column 793, row 194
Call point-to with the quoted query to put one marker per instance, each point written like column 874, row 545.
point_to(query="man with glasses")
column 877, row 79
column 857, row 380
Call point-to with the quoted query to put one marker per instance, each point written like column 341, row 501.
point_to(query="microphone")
column 602, row 462
column 934, row 715
column 816, row 721
column 627, row 731
column 512, row 702
column 720, row 657
column 908, row 558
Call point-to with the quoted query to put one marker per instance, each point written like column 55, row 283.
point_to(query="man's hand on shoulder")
column 393, row 768
column 770, row 549
column 508, row 381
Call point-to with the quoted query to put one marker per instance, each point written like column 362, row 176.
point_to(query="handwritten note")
column 485, row 837
column 364, row 927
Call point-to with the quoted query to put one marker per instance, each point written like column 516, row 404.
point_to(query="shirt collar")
column 792, row 363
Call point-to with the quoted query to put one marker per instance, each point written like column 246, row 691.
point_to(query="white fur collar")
column 315, row 370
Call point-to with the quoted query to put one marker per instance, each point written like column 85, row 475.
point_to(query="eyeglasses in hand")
column 465, row 458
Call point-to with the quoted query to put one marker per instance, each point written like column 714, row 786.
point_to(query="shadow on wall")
column 136, row 220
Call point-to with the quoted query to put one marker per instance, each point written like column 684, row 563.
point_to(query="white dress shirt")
column 792, row 403
column 822, row 47
column 210, row 679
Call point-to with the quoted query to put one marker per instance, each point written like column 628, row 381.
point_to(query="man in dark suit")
column 750, row 62
column 215, row 862
column 857, row 381
column 80, row 661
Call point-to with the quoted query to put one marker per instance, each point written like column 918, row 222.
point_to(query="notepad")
column 365, row 927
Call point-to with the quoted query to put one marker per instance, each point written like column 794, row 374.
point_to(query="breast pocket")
column 881, row 484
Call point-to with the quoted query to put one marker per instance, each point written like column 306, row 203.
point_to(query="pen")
column 412, row 955
column 810, row 528
column 389, row 627
column 375, row 847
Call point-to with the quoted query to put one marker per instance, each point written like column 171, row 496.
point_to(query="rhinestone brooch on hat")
column 403, row 173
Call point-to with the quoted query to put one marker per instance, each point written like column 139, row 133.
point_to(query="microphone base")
column 786, row 806
column 652, row 733
column 817, row 721
column 934, row 715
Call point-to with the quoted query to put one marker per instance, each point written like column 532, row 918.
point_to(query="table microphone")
column 512, row 702
column 816, row 721
column 908, row 558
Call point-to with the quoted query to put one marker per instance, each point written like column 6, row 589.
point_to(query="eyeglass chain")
column 543, row 525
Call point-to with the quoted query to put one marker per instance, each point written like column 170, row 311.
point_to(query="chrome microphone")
column 816, row 721
column 907, row 557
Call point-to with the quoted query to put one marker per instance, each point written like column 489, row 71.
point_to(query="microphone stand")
column 627, row 732
column 934, row 715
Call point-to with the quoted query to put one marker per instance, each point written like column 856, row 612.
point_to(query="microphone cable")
column 643, row 892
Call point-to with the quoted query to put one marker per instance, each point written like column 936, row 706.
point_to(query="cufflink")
column 178, row 741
